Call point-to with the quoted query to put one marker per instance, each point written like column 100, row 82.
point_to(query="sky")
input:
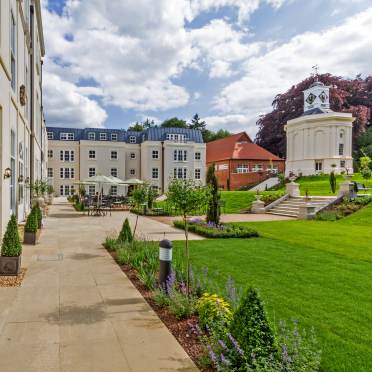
column 112, row 63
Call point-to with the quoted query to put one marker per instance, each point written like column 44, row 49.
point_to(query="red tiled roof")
column 237, row 146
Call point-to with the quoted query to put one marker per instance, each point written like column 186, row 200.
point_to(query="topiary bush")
column 250, row 327
column 39, row 215
column 125, row 235
column 32, row 222
column 11, row 245
column 213, row 309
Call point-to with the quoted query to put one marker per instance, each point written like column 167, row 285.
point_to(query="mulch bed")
column 180, row 329
column 12, row 281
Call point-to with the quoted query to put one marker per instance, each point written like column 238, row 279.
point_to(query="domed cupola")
column 316, row 97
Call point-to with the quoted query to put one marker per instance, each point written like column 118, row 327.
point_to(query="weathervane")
column 316, row 72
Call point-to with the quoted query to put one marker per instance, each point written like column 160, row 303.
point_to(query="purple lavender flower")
column 235, row 344
column 170, row 282
column 285, row 356
column 222, row 344
column 212, row 354
column 224, row 360
column 183, row 287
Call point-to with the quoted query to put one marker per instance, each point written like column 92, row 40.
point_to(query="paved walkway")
column 76, row 310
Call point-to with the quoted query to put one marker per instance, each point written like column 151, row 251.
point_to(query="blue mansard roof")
column 151, row 134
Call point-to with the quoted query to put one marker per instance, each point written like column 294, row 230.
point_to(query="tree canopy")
column 346, row 95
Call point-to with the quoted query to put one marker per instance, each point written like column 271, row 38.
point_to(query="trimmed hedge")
column 32, row 223
column 221, row 232
column 11, row 245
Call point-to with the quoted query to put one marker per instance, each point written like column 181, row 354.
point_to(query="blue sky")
column 113, row 63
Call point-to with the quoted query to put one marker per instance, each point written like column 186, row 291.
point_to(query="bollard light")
column 165, row 258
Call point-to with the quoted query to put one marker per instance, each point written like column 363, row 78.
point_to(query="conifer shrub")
column 250, row 327
column 333, row 182
column 32, row 222
column 39, row 216
column 125, row 235
column 11, row 245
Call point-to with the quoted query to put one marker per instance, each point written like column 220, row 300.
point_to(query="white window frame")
column 132, row 155
column 132, row 172
column 132, row 139
column 114, row 190
column 50, row 154
column 180, row 173
column 114, row 172
column 114, row 136
column 91, row 136
column 66, row 136
column 197, row 155
column 92, row 154
column 155, row 173
column 155, row 154
column 242, row 169
column 103, row 136
column 50, row 172
column 114, row 157
column 341, row 149
column 91, row 190
column 257, row 168
column 91, row 171
column 50, row 136
column 318, row 165
column 197, row 174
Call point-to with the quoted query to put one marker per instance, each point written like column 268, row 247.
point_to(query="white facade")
column 153, row 161
column 320, row 141
column 23, row 133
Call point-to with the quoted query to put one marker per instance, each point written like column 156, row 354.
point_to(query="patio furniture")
column 361, row 187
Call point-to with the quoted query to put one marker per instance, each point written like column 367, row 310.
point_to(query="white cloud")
column 344, row 50
column 233, row 123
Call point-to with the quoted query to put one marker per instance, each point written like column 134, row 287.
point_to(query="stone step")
column 295, row 215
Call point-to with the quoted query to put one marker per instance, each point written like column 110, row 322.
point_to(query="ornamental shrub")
column 32, row 221
column 213, row 309
column 250, row 327
column 125, row 235
column 39, row 215
column 332, row 182
column 11, row 245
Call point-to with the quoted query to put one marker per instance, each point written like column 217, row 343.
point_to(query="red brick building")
column 240, row 162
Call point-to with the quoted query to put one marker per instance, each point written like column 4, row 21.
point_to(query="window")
column 341, row 149
column 114, row 172
column 67, row 173
column 197, row 174
column 91, row 190
column 342, row 134
column 155, row 173
column 113, row 190
column 132, row 172
column 197, row 156
column 180, row 155
column 155, row 154
column 132, row 139
column 50, row 172
column 67, row 155
column 92, row 154
column 114, row 155
column 243, row 168
column 102, row 136
column 91, row 136
column 132, row 155
column 342, row 163
column 180, row 173
column 67, row 136
column 61, row 190
column 318, row 165
column 257, row 168
column 13, row 50
column 67, row 190
column 50, row 135
column 61, row 156
column 92, row 172
column 50, row 154
column 176, row 137
column 114, row 136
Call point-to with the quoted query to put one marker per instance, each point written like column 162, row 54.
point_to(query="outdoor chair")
column 361, row 187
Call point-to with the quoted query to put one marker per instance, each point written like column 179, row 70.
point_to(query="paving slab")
column 76, row 311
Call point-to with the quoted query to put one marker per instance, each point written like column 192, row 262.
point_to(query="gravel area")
column 12, row 281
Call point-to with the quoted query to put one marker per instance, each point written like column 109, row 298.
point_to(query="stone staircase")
column 291, row 206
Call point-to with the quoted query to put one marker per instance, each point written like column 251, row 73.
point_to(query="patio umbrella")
column 100, row 180
column 117, row 180
column 133, row 181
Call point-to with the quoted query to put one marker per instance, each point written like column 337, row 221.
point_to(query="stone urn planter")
column 10, row 266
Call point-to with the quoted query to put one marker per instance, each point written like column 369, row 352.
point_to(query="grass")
column 319, row 185
column 316, row 272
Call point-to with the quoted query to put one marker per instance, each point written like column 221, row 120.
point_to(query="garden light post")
column 165, row 258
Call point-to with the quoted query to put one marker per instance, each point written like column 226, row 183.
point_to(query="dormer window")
column 132, row 139
column 91, row 136
column 102, row 136
column 66, row 136
column 50, row 135
column 176, row 137
column 114, row 136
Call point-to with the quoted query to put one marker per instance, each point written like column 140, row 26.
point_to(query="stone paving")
column 76, row 310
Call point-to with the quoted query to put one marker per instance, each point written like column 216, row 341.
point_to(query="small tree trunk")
column 187, row 256
column 135, row 227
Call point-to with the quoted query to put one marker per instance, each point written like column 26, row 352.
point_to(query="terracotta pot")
column 31, row 237
column 10, row 265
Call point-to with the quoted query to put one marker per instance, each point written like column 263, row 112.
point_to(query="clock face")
column 323, row 96
column 310, row 98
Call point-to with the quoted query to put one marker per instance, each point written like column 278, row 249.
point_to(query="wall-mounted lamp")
column 7, row 173
column 20, row 178
column 27, row 180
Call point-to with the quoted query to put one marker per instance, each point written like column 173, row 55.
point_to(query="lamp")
column 20, row 178
column 7, row 173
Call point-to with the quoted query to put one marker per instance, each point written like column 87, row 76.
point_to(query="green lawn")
column 319, row 273
column 319, row 185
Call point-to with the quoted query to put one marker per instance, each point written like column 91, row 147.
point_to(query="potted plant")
column 32, row 232
column 50, row 194
column 11, row 249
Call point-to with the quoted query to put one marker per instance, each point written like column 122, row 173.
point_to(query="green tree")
column 32, row 223
column 251, row 328
column 186, row 195
column 151, row 195
column 11, row 245
column 139, row 197
column 332, row 181
column 174, row 123
column 365, row 166
column 136, row 127
column 125, row 235
column 213, row 210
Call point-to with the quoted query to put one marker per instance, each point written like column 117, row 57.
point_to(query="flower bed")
column 210, row 230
